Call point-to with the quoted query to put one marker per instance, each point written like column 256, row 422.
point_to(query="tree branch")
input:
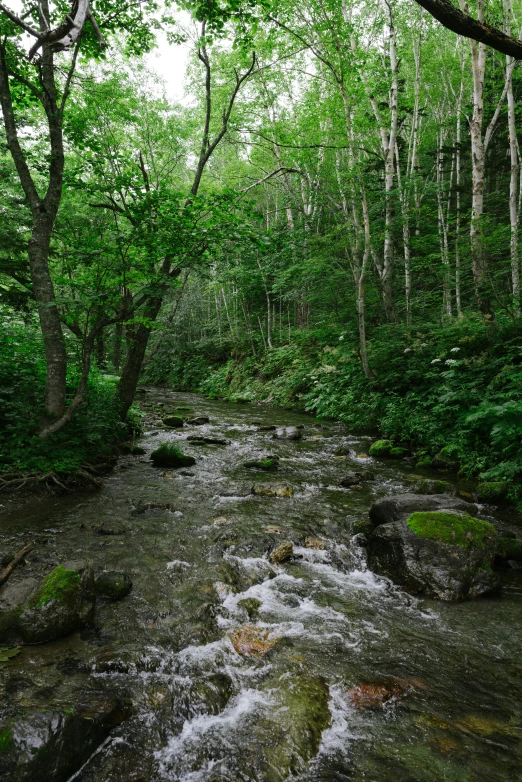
column 463, row 24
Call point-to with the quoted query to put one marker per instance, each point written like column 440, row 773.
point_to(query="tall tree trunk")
column 138, row 340
column 514, row 175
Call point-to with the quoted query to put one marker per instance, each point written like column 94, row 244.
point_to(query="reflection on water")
column 362, row 682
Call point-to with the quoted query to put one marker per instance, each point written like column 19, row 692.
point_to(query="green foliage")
column 6, row 739
column 493, row 491
column 455, row 529
column 509, row 548
column 7, row 654
column 60, row 584
column 92, row 434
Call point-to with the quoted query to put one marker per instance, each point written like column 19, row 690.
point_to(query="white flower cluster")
column 451, row 361
column 454, row 350
column 408, row 350
column 436, row 361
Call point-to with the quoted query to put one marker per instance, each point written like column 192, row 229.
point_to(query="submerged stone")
column 288, row 433
column 251, row 606
column 375, row 695
column 272, row 490
column 354, row 478
column 113, row 585
column 314, row 543
column 199, row 420
column 267, row 463
column 252, row 641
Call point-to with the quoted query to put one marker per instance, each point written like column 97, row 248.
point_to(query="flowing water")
column 362, row 681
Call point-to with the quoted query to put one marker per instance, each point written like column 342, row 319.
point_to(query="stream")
column 360, row 681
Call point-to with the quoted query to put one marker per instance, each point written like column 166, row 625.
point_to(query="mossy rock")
column 268, row 464
column 509, row 548
column 251, row 606
column 398, row 453
column 493, row 491
column 449, row 452
column 173, row 422
column 63, row 602
column 424, row 461
column 6, row 739
column 381, row 448
column 431, row 485
column 168, row 455
column 456, row 529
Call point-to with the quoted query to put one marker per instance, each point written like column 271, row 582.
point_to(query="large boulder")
column 63, row 602
column 431, row 545
column 53, row 745
column 12, row 598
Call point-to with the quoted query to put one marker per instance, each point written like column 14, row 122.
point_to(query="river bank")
column 345, row 676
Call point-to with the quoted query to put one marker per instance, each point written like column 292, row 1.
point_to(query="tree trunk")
column 138, row 341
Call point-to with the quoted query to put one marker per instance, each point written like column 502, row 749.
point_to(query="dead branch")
column 4, row 575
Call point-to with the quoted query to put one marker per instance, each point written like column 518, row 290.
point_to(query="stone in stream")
column 282, row 552
column 13, row 596
column 51, row 744
column 374, row 695
column 198, row 440
column 252, row 641
column 113, row 585
column 199, row 420
column 170, row 456
column 288, row 433
column 173, row 422
column 431, row 545
column 354, row 478
column 272, row 490
column 314, row 543
column 268, row 428
column 267, row 463
column 63, row 602
column 251, row 606
column 429, row 485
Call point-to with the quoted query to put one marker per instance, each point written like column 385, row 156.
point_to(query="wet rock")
column 251, row 606
column 354, row 478
column 170, row 456
column 272, row 490
column 199, row 420
column 466, row 495
column 194, row 438
column 314, row 543
column 252, row 641
column 269, row 428
column 295, row 728
column 288, row 433
column 266, row 463
column 12, row 598
column 173, row 421
column 343, row 450
column 375, row 695
column 113, row 585
column 390, row 509
column 50, row 746
column 442, row 552
column 282, row 552
column 137, row 450
column 63, row 602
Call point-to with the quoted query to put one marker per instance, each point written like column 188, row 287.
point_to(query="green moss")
column 170, row 455
column 398, row 453
column 424, row 461
column 493, row 491
column 455, row 529
column 381, row 448
column 251, row 606
column 449, row 452
column 509, row 548
column 431, row 486
column 262, row 464
column 60, row 584
column 6, row 739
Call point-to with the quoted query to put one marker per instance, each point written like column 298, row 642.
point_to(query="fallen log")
column 4, row 575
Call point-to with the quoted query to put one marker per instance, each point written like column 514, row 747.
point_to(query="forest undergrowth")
column 456, row 387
